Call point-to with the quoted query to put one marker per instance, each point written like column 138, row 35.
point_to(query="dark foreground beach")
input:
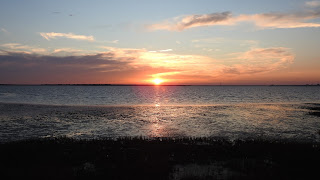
column 159, row 158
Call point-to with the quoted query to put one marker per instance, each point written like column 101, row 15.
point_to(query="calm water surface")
column 162, row 95
column 275, row 112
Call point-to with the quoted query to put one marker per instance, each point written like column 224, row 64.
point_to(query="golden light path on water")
column 160, row 113
column 156, row 127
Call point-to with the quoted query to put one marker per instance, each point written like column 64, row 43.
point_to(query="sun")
column 157, row 81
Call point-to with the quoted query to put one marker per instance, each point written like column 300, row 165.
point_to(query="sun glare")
column 157, row 81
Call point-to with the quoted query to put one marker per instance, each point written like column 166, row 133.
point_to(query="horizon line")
column 80, row 84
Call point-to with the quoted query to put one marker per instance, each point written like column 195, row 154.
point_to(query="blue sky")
column 178, row 41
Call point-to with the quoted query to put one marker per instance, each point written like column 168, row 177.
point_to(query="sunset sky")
column 174, row 41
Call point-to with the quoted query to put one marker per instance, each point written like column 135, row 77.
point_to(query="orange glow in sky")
column 232, row 44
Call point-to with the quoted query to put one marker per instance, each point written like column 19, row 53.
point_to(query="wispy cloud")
column 109, row 42
column 312, row 4
column 54, row 35
column 68, row 51
column 16, row 47
column 163, row 50
column 114, row 41
column 260, row 60
column 185, row 22
column 265, row 20
column 282, row 20
column 4, row 30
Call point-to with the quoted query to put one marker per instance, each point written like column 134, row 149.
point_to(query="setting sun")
column 157, row 81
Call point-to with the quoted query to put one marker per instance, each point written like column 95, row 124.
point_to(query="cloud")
column 121, row 65
column 312, row 4
column 163, row 50
column 110, row 42
column 16, row 47
column 36, row 68
column 179, row 67
column 202, row 20
column 68, row 50
column 201, row 70
column 118, row 66
column 185, row 22
column 265, row 20
column 282, row 20
column 260, row 60
column 4, row 30
column 54, row 35
column 114, row 41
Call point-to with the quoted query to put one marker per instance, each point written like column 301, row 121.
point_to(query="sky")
column 191, row 42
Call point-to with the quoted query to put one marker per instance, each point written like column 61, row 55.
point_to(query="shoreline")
column 316, row 103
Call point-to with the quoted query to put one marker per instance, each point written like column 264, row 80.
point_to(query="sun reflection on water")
column 156, row 130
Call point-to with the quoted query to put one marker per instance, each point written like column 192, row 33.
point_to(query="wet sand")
column 299, row 122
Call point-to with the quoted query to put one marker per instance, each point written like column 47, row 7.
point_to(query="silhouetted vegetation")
column 159, row 158
column 314, row 110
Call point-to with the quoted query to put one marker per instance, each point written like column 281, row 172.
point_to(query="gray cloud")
column 202, row 20
column 296, row 19
column 34, row 68
column 23, row 59
column 185, row 22
column 114, row 67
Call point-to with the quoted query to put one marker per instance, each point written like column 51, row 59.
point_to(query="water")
column 161, row 95
column 272, row 112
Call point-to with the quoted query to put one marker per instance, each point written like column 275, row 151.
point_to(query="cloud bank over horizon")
column 136, row 66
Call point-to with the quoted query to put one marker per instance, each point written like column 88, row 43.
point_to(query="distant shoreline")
column 147, row 85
